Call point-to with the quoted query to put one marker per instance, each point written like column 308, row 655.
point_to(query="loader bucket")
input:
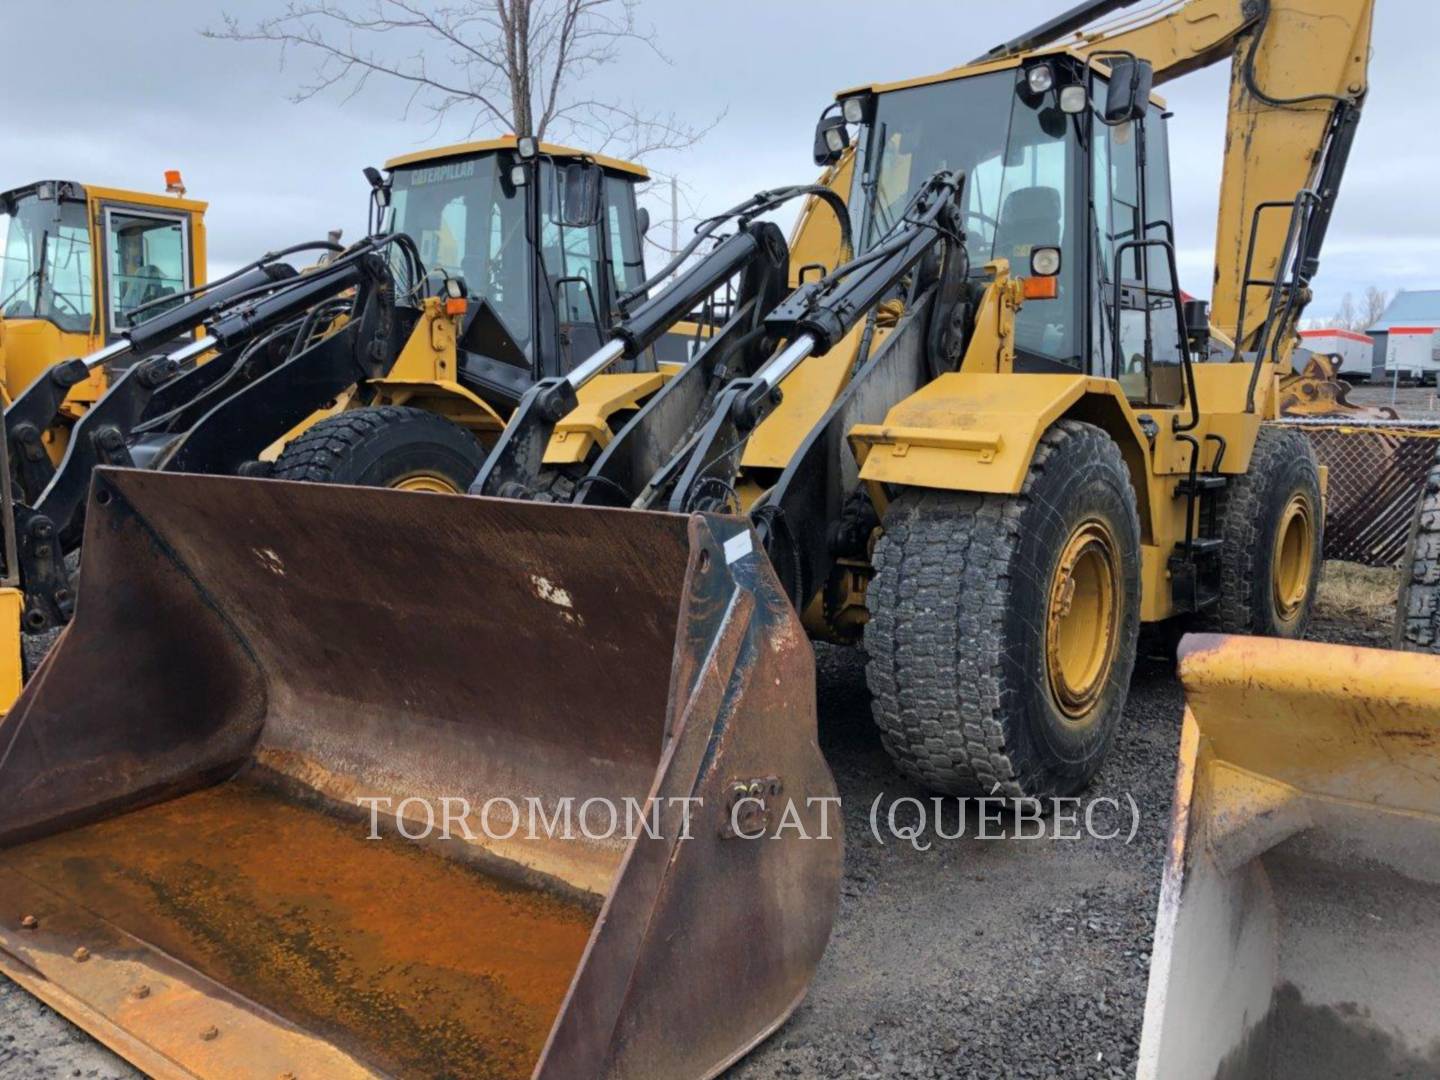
column 190, row 866
column 1298, row 933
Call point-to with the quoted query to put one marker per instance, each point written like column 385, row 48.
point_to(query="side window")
column 627, row 259
column 571, row 256
column 147, row 258
column 67, row 277
column 1149, row 324
column 1022, row 201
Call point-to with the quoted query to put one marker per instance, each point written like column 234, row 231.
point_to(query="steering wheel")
column 59, row 298
column 984, row 218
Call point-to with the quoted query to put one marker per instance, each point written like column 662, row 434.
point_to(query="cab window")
column 468, row 221
column 1021, row 160
column 45, row 262
column 627, row 260
column 1148, row 358
column 147, row 259
column 572, row 256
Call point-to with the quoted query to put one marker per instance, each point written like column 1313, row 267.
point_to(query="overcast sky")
column 115, row 93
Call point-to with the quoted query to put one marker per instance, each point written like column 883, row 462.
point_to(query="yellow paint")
column 816, row 238
column 587, row 427
column 992, row 346
column 1311, row 715
column 806, row 394
column 425, row 374
column 12, row 604
column 969, row 432
column 507, row 142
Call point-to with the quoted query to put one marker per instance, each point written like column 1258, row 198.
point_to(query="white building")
column 1412, row 352
column 1356, row 351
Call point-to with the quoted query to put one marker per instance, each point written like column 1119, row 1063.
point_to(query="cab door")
column 1137, row 333
column 146, row 257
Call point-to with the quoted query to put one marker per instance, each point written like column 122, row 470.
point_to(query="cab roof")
column 507, row 142
column 74, row 190
column 984, row 67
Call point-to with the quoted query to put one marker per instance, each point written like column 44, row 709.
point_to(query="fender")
column 978, row 431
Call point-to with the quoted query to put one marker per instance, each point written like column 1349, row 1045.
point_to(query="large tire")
column 1271, row 523
column 977, row 686
column 384, row 446
column 1417, row 615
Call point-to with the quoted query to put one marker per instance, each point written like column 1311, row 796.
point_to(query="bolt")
column 210, row 1032
column 81, row 954
column 141, row 991
column 286, row 1076
column 29, row 922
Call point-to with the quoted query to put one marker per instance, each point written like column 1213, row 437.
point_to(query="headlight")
column 853, row 110
column 1040, row 78
column 1045, row 261
column 519, row 177
column 526, row 147
column 1074, row 100
column 835, row 139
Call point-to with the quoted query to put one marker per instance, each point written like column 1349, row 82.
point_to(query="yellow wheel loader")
column 381, row 366
column 76, row 262
column 983, row 447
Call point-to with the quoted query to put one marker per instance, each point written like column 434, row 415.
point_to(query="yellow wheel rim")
column 431, row 482
column 1082, row 623
column 1294, row 557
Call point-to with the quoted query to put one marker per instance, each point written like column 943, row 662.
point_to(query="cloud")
column 116, row 93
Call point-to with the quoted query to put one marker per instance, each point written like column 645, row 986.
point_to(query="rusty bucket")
column 330, row 782
column 1298, row 934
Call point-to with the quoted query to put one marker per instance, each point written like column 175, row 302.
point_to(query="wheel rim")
column 431, row 482
column 1083, row 619
column 1294, row 557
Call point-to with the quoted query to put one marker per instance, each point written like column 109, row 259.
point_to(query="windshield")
column 469, row 220
column 1021, row 183
column 45, row 263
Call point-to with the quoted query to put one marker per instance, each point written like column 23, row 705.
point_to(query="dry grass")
column 1350, row 592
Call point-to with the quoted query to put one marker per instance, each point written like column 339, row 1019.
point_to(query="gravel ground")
column 975, row 958
column 1411, row 402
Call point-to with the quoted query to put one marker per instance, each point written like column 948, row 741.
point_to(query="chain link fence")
column 1376, row 471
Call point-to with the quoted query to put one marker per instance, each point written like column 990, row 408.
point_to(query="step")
column 1203, row 483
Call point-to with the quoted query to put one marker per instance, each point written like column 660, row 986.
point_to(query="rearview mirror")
column 1129, row 94
column 831, row 138
column 642, row 220
column 580, row 187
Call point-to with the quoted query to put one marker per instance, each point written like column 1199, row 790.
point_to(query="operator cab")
column 1048, row 168
column 546, row 239
column 56, row 236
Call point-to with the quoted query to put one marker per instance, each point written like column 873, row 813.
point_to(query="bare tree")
column 1350, row 316
column 511, row 65
column 1345, row 316
column 1376, row 301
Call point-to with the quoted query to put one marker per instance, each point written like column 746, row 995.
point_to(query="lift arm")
column 757, row 251
column 812, row 320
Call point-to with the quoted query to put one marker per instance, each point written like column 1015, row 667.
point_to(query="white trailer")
column 1356, row 351
column 1410, row 353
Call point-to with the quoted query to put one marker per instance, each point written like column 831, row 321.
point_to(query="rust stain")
column 419, row 965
